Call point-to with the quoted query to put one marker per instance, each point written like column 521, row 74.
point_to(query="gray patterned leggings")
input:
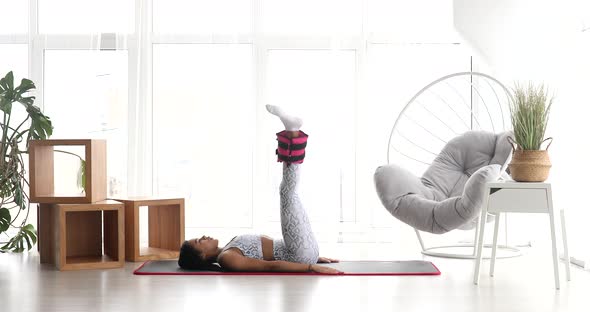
column 298, row 243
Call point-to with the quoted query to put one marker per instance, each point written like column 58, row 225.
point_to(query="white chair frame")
column 439, row 251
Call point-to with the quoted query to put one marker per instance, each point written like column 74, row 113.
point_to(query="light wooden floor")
column 520, row 284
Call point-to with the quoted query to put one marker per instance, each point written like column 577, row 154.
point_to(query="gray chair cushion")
column 450, row 193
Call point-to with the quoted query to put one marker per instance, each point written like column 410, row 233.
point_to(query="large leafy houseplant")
column 16, row 134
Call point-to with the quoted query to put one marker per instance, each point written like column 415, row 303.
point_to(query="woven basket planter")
column 530, row 166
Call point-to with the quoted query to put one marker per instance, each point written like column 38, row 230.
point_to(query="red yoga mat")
column 354, row 268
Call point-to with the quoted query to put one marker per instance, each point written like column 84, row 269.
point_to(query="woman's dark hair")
column 192, row 259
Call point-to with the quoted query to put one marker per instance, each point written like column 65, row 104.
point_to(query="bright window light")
column 319, row 86
column 395, row 74
column 14, row 57
column 86, row 16
column 14, row 16
column 92, row 86
column 415, row 21
column 311, row 17
column 202, row 16
column 203, row 123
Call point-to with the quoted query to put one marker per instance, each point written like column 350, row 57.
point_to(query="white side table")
column 511, row 196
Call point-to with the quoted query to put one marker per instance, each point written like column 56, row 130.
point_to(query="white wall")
column 542, row 41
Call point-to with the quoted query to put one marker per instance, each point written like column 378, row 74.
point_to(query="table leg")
column 495, row 244
column 479, row 246
column 565, row 250
column 553, row 240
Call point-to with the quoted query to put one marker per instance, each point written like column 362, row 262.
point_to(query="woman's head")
column 198, row 252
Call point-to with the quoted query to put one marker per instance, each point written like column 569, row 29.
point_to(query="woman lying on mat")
column 297, row 251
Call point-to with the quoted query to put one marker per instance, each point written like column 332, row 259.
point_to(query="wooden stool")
column 165, row 228
column 71, row 235
column 511, row 196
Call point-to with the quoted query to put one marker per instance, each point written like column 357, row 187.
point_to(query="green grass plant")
column 529, row 112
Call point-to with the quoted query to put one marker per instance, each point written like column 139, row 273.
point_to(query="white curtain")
column 139, row 160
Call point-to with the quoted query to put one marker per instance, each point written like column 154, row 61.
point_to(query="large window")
column 178, row 88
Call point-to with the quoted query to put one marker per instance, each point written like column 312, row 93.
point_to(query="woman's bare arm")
column 235, row 262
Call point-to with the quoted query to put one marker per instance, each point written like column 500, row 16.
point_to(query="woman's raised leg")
column 297, row 233
column 299, row 240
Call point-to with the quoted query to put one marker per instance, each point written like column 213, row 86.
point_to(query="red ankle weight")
column 291, row 150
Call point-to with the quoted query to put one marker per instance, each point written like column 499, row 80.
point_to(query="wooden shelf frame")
column 165, row 228
column 42, row 171
column 82, row 236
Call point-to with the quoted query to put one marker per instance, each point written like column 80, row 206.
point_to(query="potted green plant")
column 16, row 133
column 529, row 111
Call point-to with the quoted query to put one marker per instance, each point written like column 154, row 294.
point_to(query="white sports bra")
column 251, row 246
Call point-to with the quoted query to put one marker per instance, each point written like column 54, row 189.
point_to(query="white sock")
column 291, row 123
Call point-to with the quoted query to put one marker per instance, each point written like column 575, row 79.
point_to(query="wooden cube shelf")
column 73, row 236
column 165, row 228
column 42, row 173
